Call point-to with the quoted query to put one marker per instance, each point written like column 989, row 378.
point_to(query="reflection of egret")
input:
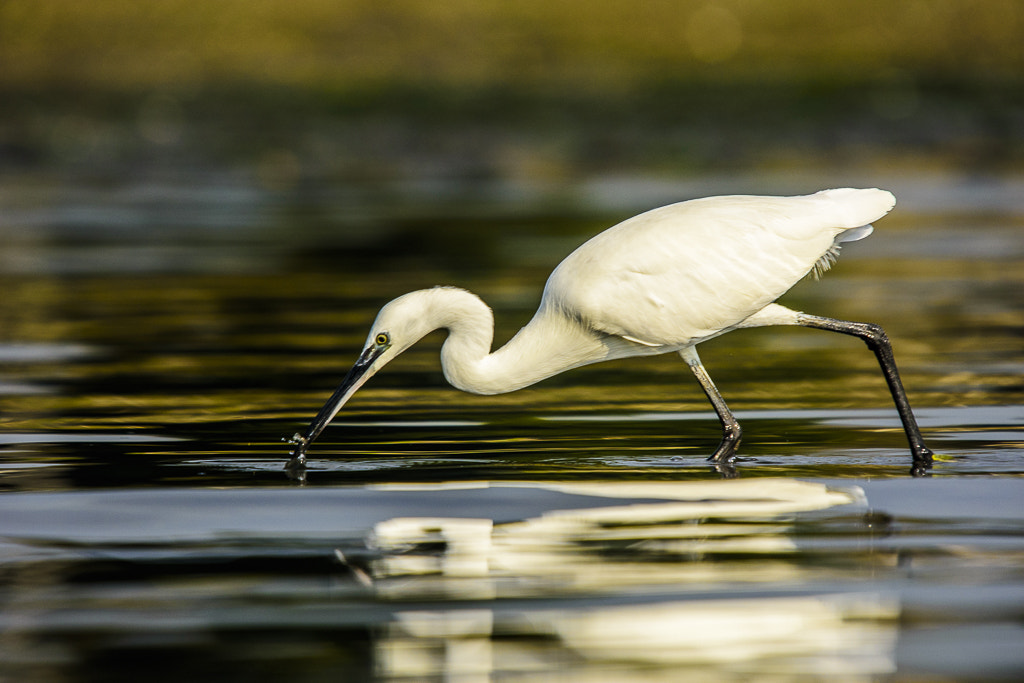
column 578, row 538
column 660, row 282
column 665, row 580
column 794, row 637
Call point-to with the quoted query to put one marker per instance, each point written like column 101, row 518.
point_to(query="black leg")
column 876, row 339
column 731, row 430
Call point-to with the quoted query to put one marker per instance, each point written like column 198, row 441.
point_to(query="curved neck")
column 551, row 343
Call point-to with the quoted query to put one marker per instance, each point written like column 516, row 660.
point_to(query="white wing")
column 691, row 270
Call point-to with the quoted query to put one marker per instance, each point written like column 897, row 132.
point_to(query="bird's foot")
column 922, row 466
column 726, row 451
column 722, row 456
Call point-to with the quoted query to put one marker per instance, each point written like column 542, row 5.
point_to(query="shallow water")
column 570, row 530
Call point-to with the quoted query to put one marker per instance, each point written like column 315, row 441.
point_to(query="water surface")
column 570, row 530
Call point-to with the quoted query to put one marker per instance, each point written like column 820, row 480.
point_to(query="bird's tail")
column 855, row 209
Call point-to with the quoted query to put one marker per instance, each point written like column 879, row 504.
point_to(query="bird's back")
column 691, row 270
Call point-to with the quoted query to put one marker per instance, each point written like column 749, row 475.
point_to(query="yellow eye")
column 382, row 339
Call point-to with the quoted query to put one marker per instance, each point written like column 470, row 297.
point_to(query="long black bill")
column 353, row 380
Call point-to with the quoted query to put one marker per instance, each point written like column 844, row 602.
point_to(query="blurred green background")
column 544, row 91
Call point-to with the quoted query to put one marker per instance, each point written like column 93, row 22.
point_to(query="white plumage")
column 693, row 270
column 660, row 282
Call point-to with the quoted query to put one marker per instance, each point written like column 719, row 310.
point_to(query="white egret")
column 660, row 282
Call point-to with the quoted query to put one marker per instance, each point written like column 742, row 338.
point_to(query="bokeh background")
column 537, row 95
column 279, row 134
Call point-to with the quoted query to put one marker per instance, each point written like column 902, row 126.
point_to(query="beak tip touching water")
column 359, row 373
column 299, row 452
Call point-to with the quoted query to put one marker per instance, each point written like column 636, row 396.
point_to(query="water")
column 158, row 340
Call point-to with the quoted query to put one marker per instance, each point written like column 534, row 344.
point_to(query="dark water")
column 158, row 340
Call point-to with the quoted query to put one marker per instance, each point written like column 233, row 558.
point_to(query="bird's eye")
column 382, row 339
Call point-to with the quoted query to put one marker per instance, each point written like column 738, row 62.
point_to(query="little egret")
column 660, row 282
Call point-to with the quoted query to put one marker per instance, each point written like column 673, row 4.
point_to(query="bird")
column 660, row 282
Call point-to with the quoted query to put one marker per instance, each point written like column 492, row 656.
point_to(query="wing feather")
column 692, row 270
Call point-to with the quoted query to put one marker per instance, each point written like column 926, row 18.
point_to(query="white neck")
column 551, row 343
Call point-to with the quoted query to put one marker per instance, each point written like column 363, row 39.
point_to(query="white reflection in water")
column 587, row 547
column 608, row 550
column 787, row 637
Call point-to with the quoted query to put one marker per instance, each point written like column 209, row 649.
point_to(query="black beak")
column 353, row 380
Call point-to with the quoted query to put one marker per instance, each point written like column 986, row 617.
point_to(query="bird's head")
column 399, row 325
